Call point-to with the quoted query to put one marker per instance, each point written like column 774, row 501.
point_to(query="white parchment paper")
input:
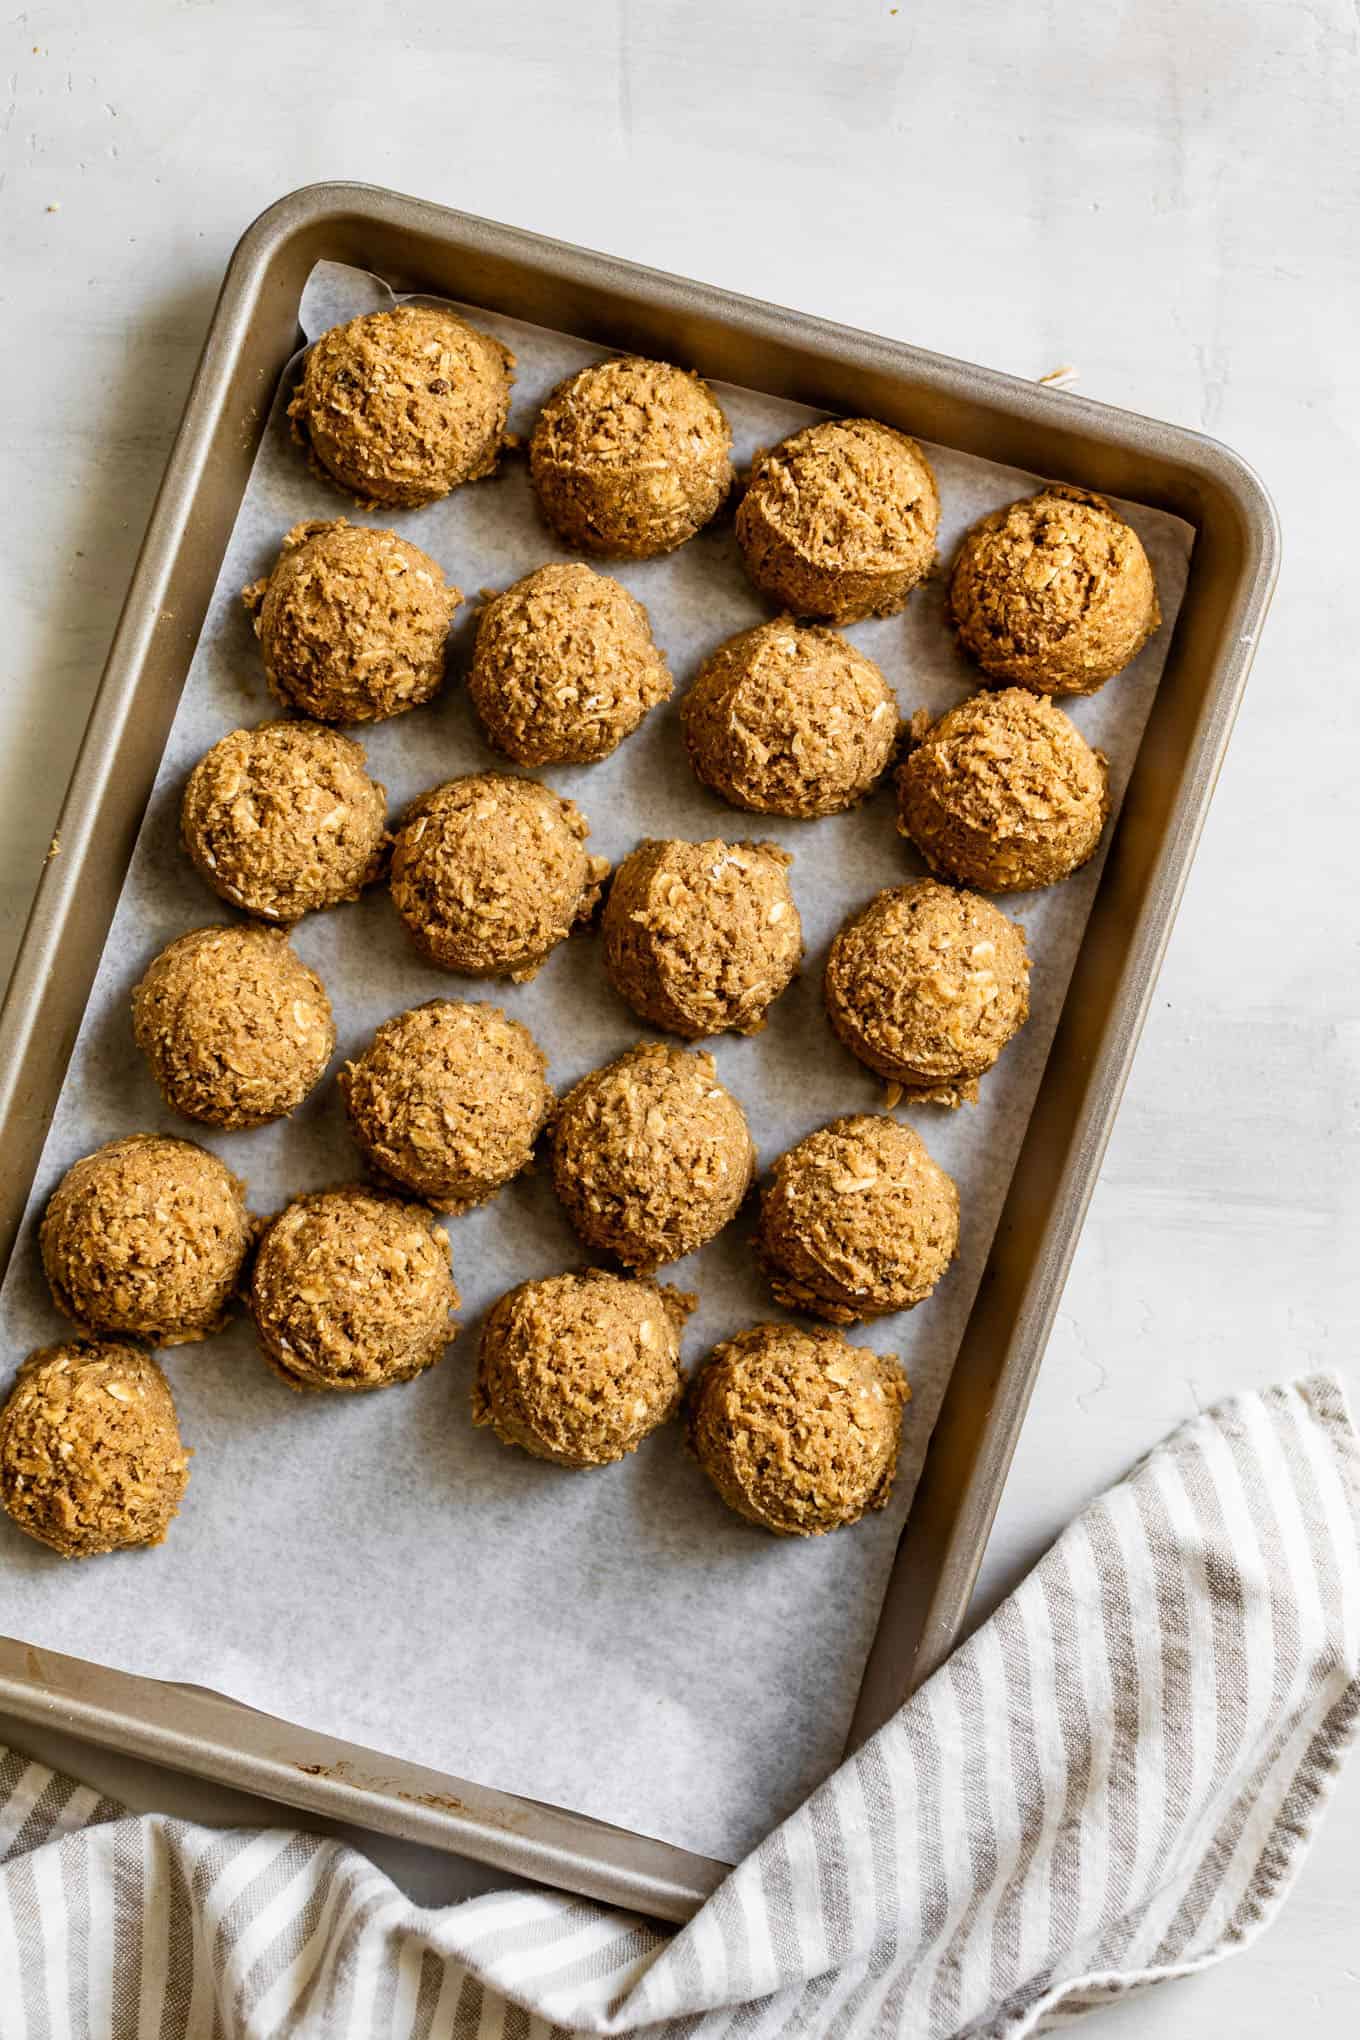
column 373, row 1567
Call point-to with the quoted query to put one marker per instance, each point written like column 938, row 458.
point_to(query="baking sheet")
column 373, row 1567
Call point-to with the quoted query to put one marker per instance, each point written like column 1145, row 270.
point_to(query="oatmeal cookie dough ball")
column 1054, row 593
column 90, row 1452
column 840, row 520
column 145, row 1239
column 700, row 938
column 352, row 1290
column 400, row 407
column 565, row 667
column 789, row 719
column 651, row 1156
column 857, row 1221
column 236, row 1028
column 491, row 872
column 352, row 623
column 283, row 820
column 797, row 1429
column 630, row 457
column 1003, row 793
column 579, row 1368
column 926, row 985
column 447, row 1101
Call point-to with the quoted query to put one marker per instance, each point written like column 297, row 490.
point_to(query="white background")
column 1162, row 193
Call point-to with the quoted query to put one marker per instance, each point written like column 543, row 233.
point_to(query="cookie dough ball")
column 700, row 938
column 579, row 1368
column 352, row 623
column 145, row 1238
column 857, row 1221
column 927, row 985
column 1054, row 593
column 1003, row 793
column 284, row 819
column 797, row 1429
column 448, row 1100
column 400, row 407
column 490, row 873
column 840, row 520
column 352, row 1290
column 235, row 1027
column 90, row 1452
column 565, row 667
column 789, row 719
column 630, row 458
column 651, row 1156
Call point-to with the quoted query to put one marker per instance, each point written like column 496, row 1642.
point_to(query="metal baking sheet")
column 332, row 228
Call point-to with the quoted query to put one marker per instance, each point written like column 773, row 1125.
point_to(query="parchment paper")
column 373, row 1567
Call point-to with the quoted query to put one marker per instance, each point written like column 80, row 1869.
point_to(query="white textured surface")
column 1164, row 194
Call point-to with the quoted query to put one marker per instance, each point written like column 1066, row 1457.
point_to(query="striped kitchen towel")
column 1110, row 1784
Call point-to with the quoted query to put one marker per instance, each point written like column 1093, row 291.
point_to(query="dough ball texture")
column 926, row 985
column 565, row 667
column 651, row 1156
column 400, row 407
column 797, row 1429
column 145, row 1238
column 447, row 1101
column 700, row 938
column 352, row 623
column 1054, row 593
column 789, row 719
column 579, row 1368
column 629, row 458
column 857, row 1221
column 283, row 820
column 490, row 873
column 352, row 1290
column 235, row 1026
column 90, row 1452
column 1003, row 793
column 840, row 520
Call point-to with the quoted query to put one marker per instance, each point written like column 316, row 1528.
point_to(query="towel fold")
column 1113, row 1782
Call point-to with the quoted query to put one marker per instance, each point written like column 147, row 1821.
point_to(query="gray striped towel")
column 1110, row 1784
